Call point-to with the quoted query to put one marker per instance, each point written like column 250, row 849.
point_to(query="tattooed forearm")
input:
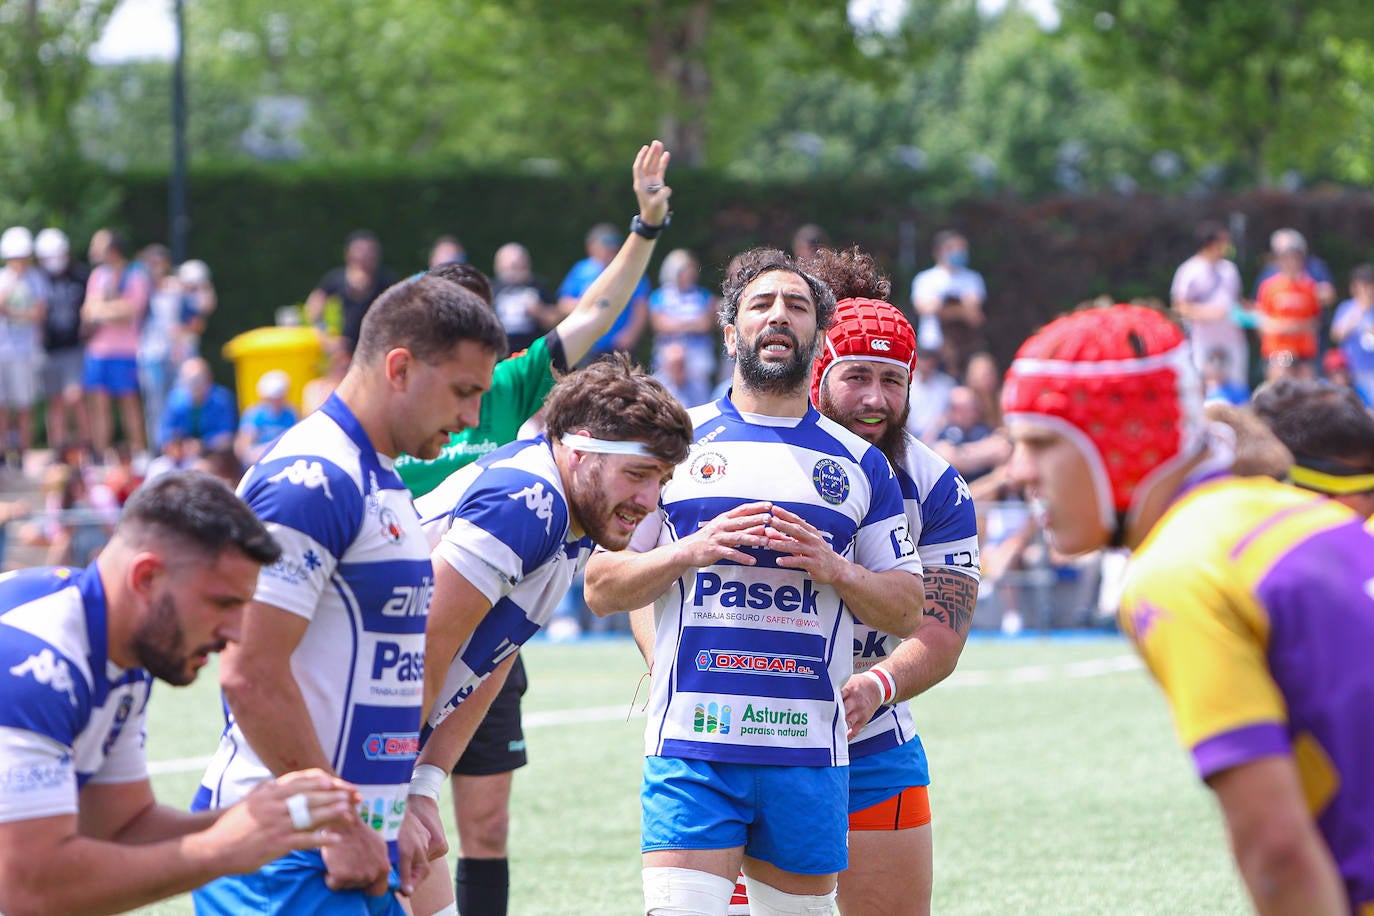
column 950, row 597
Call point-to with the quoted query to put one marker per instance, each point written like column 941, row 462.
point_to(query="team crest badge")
column 392, row 531
column 707, row 466
column 830, row 481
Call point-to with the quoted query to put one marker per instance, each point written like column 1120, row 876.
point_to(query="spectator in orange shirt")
column 1290, row 309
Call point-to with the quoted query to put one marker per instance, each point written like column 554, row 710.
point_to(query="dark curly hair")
column 614, row 399
column 851, row 274
column 747, row 267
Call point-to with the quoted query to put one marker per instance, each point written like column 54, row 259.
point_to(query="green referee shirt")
column 518, row 388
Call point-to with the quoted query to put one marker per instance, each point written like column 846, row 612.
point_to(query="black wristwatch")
column 639, row 227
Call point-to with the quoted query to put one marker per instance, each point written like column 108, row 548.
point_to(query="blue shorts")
column 878, row 777
column 290, row 885
column 794, row 818
column 115, row 375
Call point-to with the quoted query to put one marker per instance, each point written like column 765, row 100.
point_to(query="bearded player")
column 861, row 380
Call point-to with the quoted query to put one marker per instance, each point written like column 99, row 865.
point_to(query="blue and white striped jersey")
column 502, row 523
column 354, row 563
column 749, row 660
column 942, row 520
column 68, row 715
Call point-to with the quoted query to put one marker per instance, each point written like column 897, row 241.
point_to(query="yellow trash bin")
column 295, row 351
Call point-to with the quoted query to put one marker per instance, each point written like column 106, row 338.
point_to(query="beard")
column 596, row 517
column 891, row 442
column 160, row 644
column 774, row 378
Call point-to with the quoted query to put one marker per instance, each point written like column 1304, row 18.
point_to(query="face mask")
column 958, row 259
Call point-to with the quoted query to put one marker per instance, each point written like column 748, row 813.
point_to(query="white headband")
column 607, row 446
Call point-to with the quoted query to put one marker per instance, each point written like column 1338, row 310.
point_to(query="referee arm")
column 605, row 299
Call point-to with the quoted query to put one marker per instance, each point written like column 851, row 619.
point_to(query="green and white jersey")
column 518, row 388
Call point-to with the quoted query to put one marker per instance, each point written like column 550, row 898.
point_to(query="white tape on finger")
column 298, row 806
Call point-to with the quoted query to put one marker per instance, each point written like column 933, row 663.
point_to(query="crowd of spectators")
column 112, row 351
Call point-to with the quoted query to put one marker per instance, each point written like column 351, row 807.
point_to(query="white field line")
column 1030, row 674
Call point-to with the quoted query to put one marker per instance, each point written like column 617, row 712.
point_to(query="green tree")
column 569, row 83
column 44, row 69
column 1254, row 85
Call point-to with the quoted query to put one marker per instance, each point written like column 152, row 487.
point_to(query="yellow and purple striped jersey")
column 1252, row 603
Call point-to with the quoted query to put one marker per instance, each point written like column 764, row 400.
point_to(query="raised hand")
column 650, row 167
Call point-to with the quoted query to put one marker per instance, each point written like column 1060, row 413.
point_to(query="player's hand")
column 649, row 169
column 413, row 845
column 861, row 697
column 722, row 537
column 260, row 829
column 357, row 860
column 426, row 811
column 804, row 547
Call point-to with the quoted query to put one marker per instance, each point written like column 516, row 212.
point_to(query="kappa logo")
column 539, row 502
column 961, row 488
column 304, row 473
column 881, row 343
column 47, row 668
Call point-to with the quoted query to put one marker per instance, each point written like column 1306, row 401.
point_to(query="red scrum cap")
column 1120, row 383
column 865, row 329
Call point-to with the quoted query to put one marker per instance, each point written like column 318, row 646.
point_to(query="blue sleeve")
column 573, row 285
column 947, row 514
column 1317, row 270
column 220, row 415
column 176, row 420
column 520, row 510
column 249, row 421
column 41, row 690
column 309, row 494
column 642, row 288
column 656, row 300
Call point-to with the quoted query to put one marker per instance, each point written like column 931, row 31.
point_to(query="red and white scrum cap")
column 1120, row 383
column 865, row 329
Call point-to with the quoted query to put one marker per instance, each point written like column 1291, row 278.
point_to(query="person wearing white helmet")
column 267, row 419
column 24, row 292
column 62, row 351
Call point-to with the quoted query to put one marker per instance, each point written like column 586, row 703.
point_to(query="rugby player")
column 778, row 526
column 80, row 831
column 1330, row 434
column 862, row 380
column 511, row 532
column 1249, row 600
column 329, row 672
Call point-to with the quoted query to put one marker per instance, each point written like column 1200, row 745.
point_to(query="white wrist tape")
column 427, row 780
column 887, row 685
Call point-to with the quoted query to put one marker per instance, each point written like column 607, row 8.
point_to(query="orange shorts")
column 909, row 809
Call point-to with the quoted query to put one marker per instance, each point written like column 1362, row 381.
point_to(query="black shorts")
column 498, row 745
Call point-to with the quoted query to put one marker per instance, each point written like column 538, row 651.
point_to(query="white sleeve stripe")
column 37, row 776
column 465, row 537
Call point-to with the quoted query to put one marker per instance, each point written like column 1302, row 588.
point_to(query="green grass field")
column 1057, row 785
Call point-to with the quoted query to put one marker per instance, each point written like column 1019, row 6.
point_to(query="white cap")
column 193, row 272
column 51, row 243
column 274, row 384
column 16, row 242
